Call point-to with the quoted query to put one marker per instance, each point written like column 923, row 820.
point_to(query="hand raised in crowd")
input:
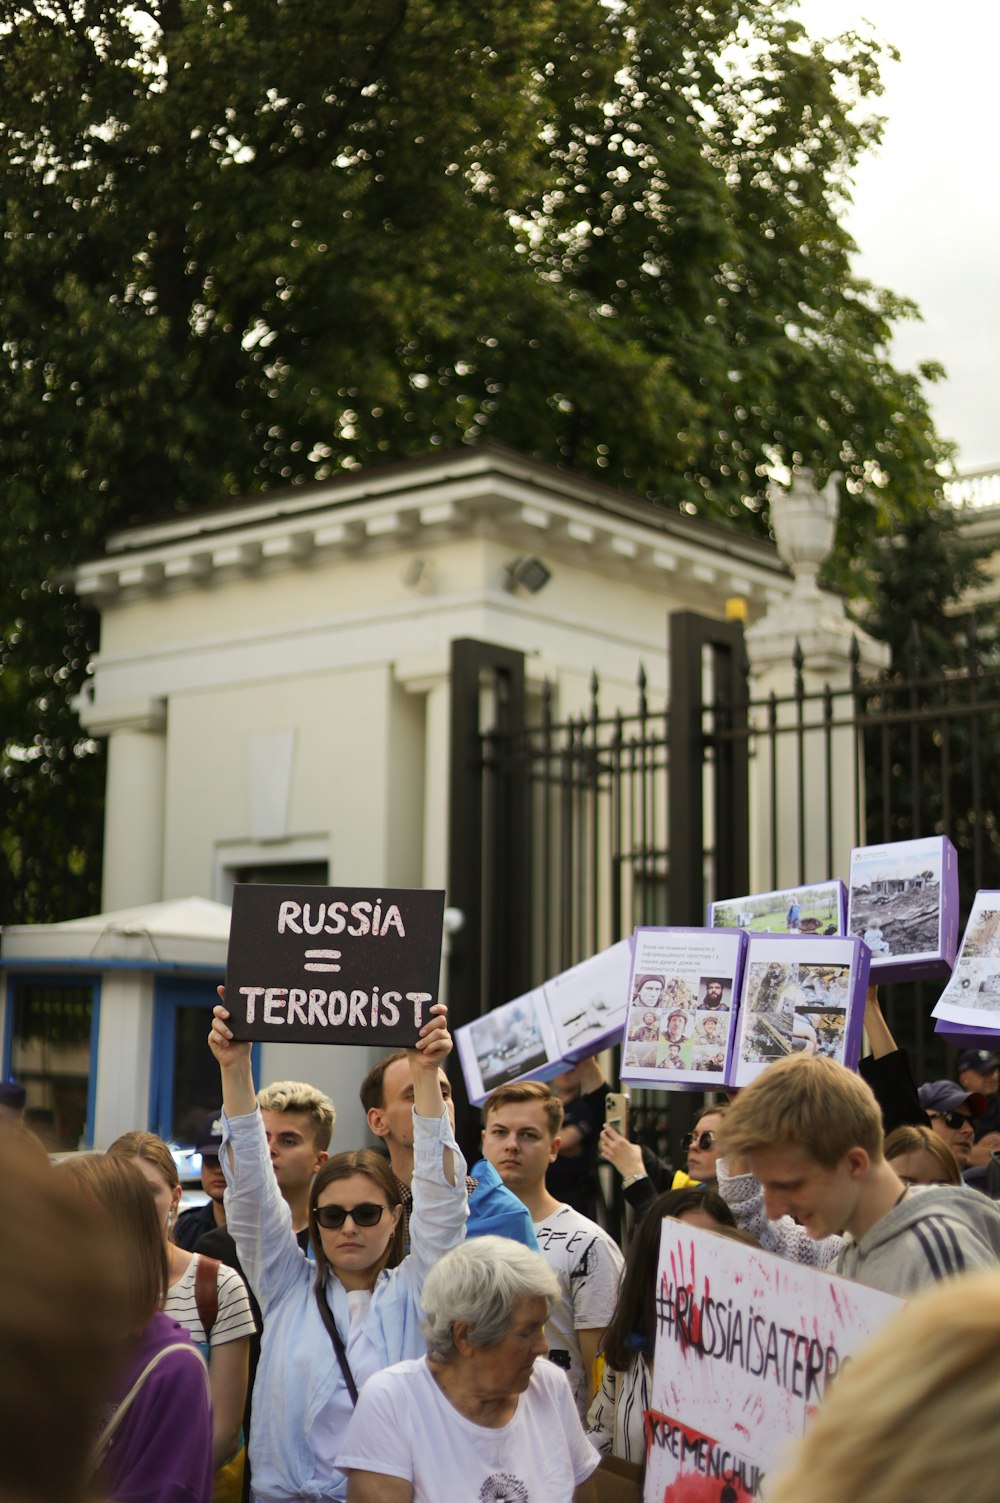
column 626, row 1156
column 425, row 1060
column 238, row 1095
column 434, row 1044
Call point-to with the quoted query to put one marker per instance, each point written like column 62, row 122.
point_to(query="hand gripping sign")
column 333, row 965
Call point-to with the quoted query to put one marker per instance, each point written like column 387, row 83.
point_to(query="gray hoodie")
column 937, row 1231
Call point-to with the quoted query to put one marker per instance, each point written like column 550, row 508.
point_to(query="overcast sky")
column 926, row 215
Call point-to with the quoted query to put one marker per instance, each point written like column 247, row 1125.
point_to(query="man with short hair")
column 951, row 1112
column 387, row 1097
column 520, row 1140
column 811, row 1133
column 978, row 1070
column 298, row 1120
column 192, row 1225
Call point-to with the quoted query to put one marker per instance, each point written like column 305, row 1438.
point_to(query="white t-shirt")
column 588, row 1264
column 233, row 1318
column 405, row 1427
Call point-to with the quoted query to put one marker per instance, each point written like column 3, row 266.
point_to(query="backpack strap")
column 206, row 1291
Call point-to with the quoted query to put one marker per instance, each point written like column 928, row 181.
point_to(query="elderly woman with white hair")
column 478, row 1417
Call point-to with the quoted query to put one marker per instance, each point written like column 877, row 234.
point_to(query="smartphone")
column 616, row 1111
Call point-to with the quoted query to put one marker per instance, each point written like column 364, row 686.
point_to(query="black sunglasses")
column 702, row 1140
column 953, row 1120
column 332, row 1218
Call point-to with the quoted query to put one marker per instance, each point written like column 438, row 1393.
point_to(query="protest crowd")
column 390, row 1325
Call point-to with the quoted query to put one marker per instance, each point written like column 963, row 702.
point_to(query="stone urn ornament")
column 804, row 521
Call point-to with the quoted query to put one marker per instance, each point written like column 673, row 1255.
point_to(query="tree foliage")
column 259, row 243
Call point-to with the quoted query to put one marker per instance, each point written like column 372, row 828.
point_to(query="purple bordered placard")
column 814, row 907
column 515, row 1041
column 680, row 1024
column 903, row 902
column 333, row 965
column 549, row 1029
column 800, row 995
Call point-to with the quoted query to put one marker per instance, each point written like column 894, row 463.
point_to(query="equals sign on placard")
column 322, row 960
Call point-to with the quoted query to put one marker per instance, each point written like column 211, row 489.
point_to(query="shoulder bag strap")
column 338, row 1345
column 107, row 1434
column 206, row 1291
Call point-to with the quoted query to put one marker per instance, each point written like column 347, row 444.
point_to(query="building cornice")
column 409, row 506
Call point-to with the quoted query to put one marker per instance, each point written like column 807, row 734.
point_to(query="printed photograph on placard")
column 678, row 1026
column 711, row 1059
column 973, row 990
column 684, row 986
column 715, row 993
column 646, row 1027
column 711, row 1028
column 641, row 1055
column 817, row 908
column 507, row 1043
column 673, row 1056
column 982, row 936
column 648, row 989
column 588, row 1002
column 791, row 1008
column 895, row 900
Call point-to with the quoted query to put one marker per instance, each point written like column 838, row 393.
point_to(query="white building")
column 274, row 685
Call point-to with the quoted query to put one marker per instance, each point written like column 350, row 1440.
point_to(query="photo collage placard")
column 800, row 996
column 682, row 1006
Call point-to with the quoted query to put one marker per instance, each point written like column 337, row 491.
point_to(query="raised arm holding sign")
column 360, row 1284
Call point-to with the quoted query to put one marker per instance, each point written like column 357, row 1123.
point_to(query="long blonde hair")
column 914, row 1415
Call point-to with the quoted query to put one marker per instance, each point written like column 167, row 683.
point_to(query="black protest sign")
column 333, row 965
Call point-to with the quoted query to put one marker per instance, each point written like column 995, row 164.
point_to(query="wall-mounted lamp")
column 528, row 572
column 418, row 575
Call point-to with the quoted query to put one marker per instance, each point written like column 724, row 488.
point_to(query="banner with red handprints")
column 746, row 1346
column 685, row 1466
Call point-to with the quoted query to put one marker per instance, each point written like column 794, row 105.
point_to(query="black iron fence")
column 572, row 830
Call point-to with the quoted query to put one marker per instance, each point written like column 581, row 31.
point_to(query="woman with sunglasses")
column 329, row 1325
column 644, row 1175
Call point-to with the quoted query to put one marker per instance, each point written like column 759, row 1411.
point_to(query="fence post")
column 703, row 650
column 477, row 864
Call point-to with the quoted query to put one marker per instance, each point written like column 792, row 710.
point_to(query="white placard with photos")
column 800, row 996
column 549, row 1029
column 680, row 1021
column 972, row 996
column 903, row 902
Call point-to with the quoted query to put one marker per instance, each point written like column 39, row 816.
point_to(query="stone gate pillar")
column 806, row 776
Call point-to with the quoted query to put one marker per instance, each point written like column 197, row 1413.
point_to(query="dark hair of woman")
column 632, row 1328
column 375, row 1167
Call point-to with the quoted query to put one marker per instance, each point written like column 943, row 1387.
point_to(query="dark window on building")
column 50, row 1056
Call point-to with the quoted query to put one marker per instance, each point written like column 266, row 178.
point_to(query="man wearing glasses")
column 952, row 1112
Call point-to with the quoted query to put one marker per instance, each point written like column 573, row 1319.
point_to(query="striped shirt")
column 234, row 1318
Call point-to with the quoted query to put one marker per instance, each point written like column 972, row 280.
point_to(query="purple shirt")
column 162, row 1450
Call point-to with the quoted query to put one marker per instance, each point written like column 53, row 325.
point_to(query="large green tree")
column 252, row 244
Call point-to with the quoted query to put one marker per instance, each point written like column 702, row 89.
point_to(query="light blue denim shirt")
column 300, row 1402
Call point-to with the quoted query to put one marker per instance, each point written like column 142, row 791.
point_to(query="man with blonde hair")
column 521, row 1140
column 298, row 1120
column 810, row 1132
